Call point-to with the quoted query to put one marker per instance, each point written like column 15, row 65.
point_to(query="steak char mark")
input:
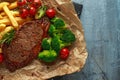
column 26, row 44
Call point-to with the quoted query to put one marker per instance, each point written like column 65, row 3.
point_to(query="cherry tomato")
column 24, row 13
column 21, row 2
column 51, row 13
column 32, row 11
column 36, row 3
column 64, row 53
column 1, row 58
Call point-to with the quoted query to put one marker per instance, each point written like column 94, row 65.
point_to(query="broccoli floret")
column 68, row 36
column 41, row 12
column 58, row 23
column 55, row 44
column 53, row 31
column 46, row 43
column 47, row 55
column 58, row 44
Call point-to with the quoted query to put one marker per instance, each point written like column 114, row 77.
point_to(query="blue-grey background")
column 101, row 23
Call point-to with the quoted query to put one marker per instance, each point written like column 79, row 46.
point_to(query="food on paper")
column 37, row 38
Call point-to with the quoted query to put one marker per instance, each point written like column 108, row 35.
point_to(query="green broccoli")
column 53, row 31
column 68, row 36
column 41, row 12
column 46, row 43
column 58, row 44
column 58, row 23
column 47, row 55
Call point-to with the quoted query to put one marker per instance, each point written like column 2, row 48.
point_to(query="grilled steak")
column 26, row 44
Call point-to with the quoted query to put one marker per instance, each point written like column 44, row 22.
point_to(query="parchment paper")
column 78, row 54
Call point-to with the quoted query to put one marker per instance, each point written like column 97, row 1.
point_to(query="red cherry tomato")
column 24, row 13
column 51, row 13
column 21, row 2
column 32, row 11
column 1, row 58
column 36, row 3
column 64, row 53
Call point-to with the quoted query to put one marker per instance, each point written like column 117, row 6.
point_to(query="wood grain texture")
column 101, row 23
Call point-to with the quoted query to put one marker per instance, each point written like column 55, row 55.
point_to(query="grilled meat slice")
column 26, row 44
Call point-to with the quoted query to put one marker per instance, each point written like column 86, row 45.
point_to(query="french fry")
column 18, row 19
column 11, row 17
column 4, row 17
column 6, row 30
column 2, row 27
column 14, row 13
column 2, row 4
column 13, row 5
column 5, row 21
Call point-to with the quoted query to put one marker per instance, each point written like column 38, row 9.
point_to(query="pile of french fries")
column 9, row 18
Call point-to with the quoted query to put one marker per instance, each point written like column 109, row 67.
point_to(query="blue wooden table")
column 101, row 23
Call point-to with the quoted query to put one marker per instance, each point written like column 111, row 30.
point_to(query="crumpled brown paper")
column 78, row 54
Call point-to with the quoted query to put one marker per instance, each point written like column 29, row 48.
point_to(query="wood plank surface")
column 101, row 23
